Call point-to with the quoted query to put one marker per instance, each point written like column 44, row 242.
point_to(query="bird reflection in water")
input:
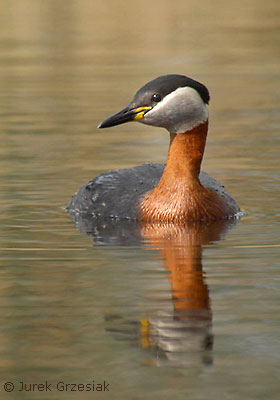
column 180, row 331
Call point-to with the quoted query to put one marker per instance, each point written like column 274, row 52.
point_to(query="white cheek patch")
column 179, row 111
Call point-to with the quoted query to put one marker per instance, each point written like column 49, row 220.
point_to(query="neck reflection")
column 176, row 331
column 186, row 329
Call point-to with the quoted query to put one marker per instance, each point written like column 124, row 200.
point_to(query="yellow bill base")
column 140, row 111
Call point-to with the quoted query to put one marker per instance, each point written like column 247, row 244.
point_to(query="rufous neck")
column 186, row 152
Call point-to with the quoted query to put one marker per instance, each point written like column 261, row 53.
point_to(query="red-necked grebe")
column 176, row 192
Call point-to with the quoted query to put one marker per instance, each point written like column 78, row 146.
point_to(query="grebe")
column 176, row 192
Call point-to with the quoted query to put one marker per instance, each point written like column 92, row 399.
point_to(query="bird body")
column 111, row 195
column 153, row 192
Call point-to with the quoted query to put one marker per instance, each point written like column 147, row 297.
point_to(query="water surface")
column 157, row 312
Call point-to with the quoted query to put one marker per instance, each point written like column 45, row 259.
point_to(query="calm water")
column 157, row 312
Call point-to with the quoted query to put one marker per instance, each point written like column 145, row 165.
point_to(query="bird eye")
column 156, row 97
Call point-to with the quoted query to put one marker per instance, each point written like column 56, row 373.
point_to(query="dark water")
column 157, row 312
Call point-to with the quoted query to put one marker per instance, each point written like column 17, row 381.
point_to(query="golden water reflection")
column 178, row 333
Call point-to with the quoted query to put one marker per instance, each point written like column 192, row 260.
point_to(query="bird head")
column 174, row 102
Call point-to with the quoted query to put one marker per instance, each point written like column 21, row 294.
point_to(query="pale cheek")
column 155, row 120
column 177, row 114
column 171, row 118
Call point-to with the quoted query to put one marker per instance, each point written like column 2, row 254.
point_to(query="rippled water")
column 155, row 311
